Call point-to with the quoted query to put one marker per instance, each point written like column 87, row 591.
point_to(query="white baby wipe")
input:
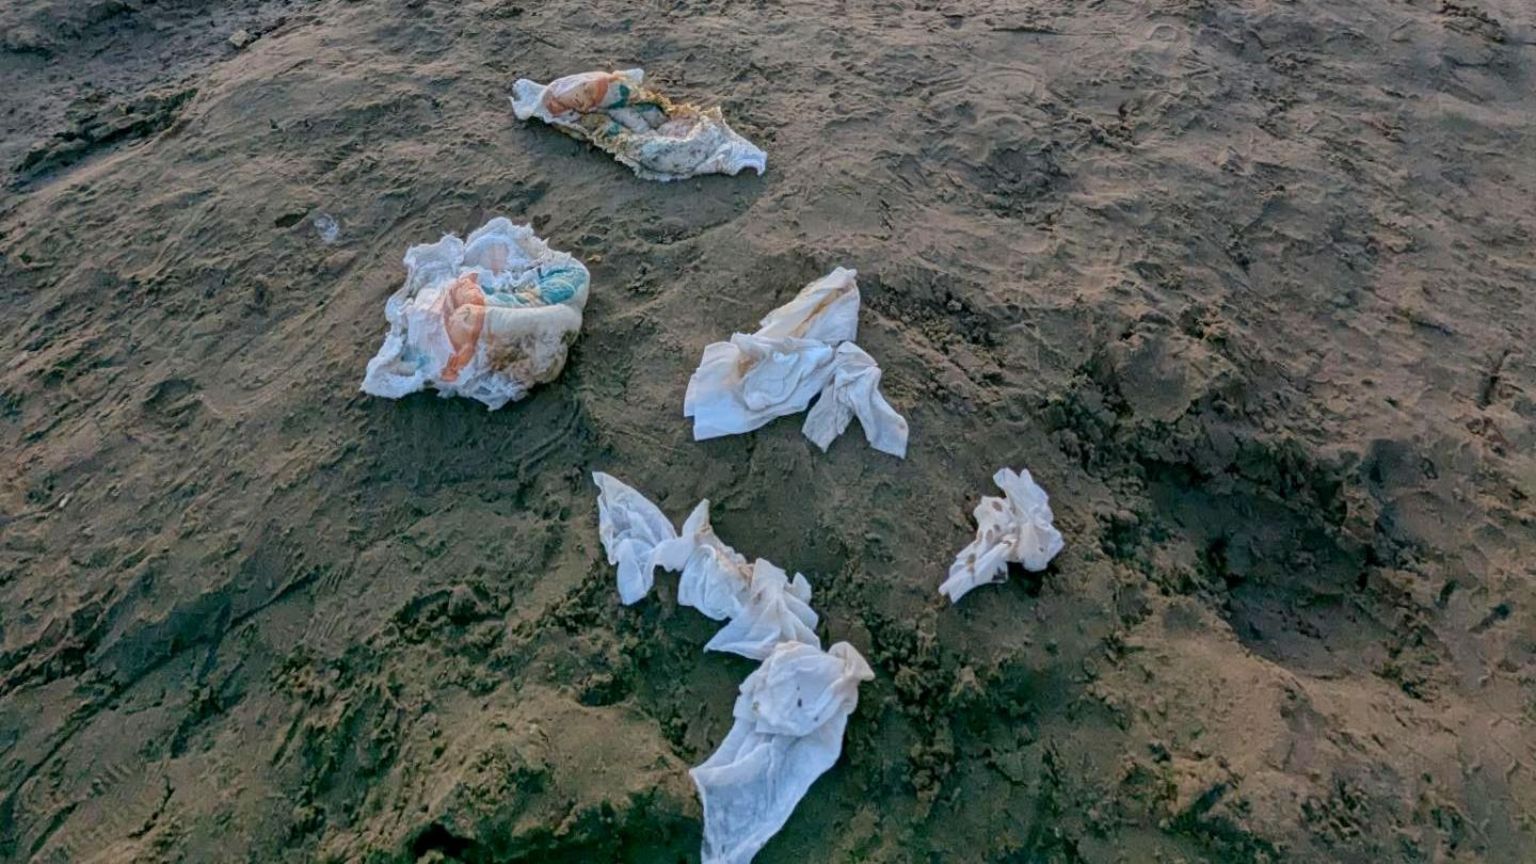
column 826, row 310
column 763, row 607
column 789, row 722
column 777, row 610
column 1015, row 528
column 716, row 578
column 749, row 381
column 801, row 350
column 487, row 318
column 855, row 392
column 636, row 536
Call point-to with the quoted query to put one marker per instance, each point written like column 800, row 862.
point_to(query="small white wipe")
column 777, row 610
column 762, row 606
column 855, row 392
column 1015, row 528
column 636, row 536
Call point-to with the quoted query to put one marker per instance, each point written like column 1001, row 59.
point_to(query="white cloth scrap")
column 855, row 392
column 762, row 605
column 658, row 138
column 777, row 610
column 789, row 721
column 801, row 350
column 1015, row 528
column 636, row 536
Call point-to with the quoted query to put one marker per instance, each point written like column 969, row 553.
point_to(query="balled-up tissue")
column 486, row 318
column 658, row 138
column 789, row 722
column 801, row 350
column 1015, row 528
column 762, row 605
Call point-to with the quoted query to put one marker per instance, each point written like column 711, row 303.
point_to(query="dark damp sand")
column 1248, row 286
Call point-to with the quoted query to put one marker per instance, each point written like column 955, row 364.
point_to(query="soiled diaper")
column 658, row 138
column 487, row 318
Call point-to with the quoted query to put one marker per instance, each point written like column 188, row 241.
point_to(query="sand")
column 1245, row 284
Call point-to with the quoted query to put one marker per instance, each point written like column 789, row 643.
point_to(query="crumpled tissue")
column 487, row 318
column 762, row 605
column 1015, row 528
column 790, row 716
column 801, row 350
column 658, row 138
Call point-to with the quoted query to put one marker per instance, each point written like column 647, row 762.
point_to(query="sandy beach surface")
column 1247, row 284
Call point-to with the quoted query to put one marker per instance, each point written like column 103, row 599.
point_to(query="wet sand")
column 1245, row 284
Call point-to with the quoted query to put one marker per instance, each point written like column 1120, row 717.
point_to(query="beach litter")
column 855, row 392
column 637, row 536
column 326, row 228
column 790, row 713
column 658, row 138
column 1016, row 528
column 487, row 318
column 761, row 603
column 776, row 611
column 789, row 720
column 802, row 350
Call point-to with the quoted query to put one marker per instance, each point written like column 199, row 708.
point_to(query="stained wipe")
column 802, row 350
column 789, row 714
column 776, row 611
column 658, row 138
column 1015, row 528
column 715, row 577
column 789, row 721
column 486, row 318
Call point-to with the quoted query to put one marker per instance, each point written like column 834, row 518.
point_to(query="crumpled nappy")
column 1017, row 527
column 801, row 350
column 487, row 318
column 658, row 138
column 789, row 721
